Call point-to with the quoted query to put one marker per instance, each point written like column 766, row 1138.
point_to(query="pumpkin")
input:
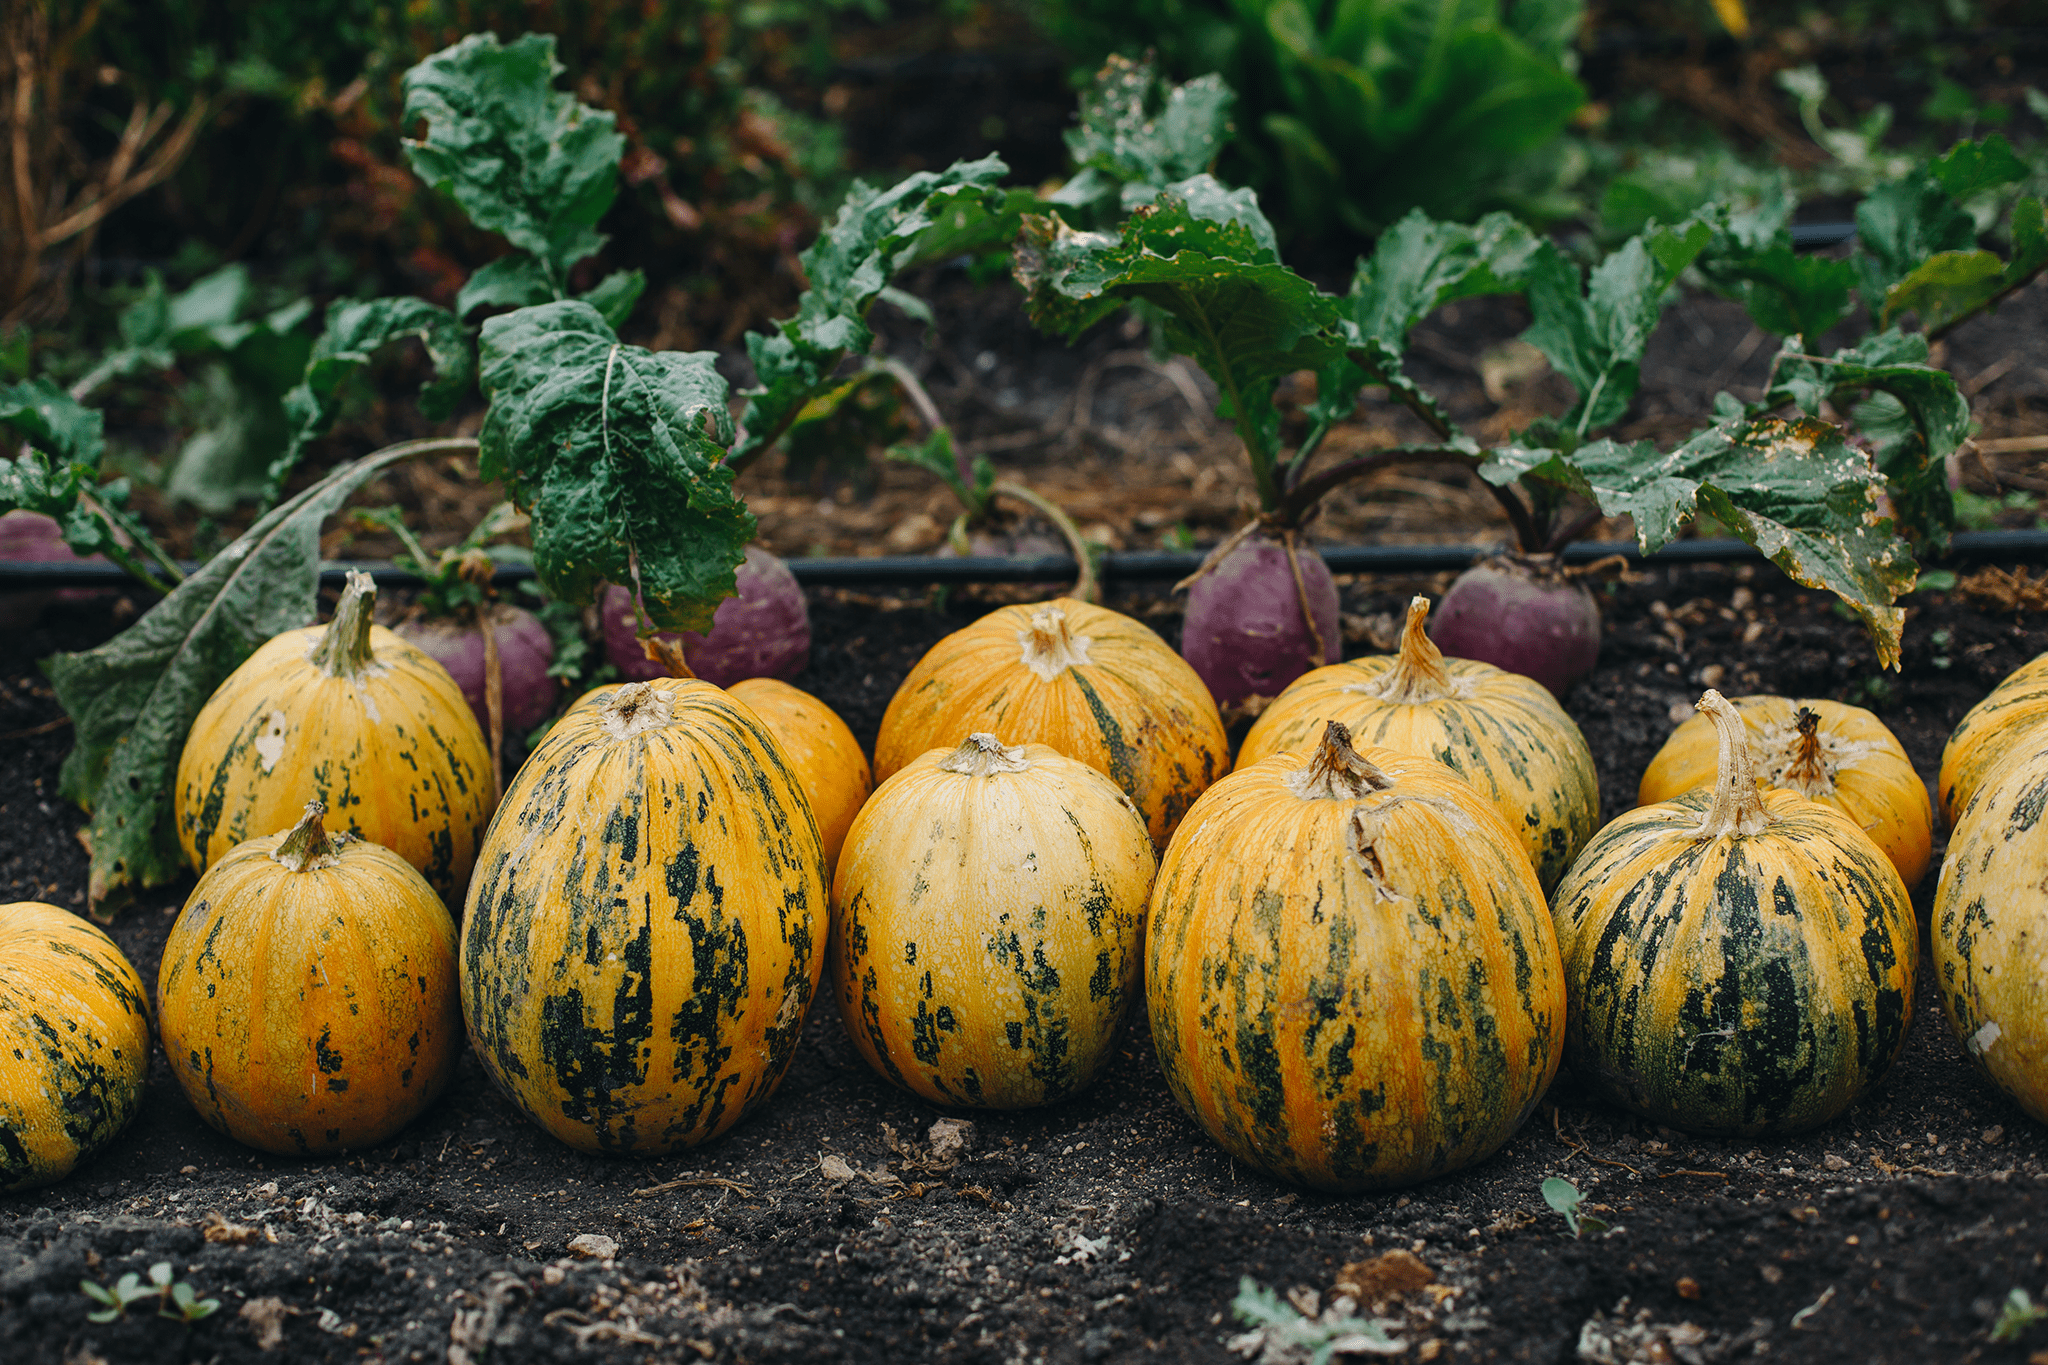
column 1500, row 731
column 986, row 918
column 642, row 937
column 307, row 992
column 1352, row 979
column 356, row 717
column 1842, row 756
column 1990, row 921
column 1740, row 961
column 74, row 1043
column 1092, row 683
column 1989, row 733
column 827, row 758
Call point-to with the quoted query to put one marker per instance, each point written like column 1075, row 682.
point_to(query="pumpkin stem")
column 1738, row 809
column 1809, row 773
column 983, row 755
column 308, row 847
column 1336, row 771
column 636, row 708
column 343, row 650
column 1418, row 675
column 668, row 653
column 1049, row 646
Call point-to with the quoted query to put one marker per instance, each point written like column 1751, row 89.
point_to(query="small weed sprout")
column 1564, row 1196
column 1280, row 1332
column 176, row 1299
column 2016, row 1316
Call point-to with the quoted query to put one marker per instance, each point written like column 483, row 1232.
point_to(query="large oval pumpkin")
column 1092, row 683
column 1352, row 978
column 986, row 919
column 74, row 1043
column 355, row 716
column 1839, row 755
column 1989, row 733
column 1500, row 731
column 643, row 933
column 1740, row 961
column 827, row 758
column 307, row 992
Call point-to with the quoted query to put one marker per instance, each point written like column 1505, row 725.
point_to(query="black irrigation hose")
column 1138, row 566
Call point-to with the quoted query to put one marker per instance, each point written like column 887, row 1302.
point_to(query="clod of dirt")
column 266, row 1317
column 1384, row 1277
column 593, row 1246
column 951, row 1139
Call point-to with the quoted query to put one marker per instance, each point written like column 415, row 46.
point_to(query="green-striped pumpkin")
column 2005, row 722
column 645, row 926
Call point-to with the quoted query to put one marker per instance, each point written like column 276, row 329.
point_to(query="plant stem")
column 1939, row 332
column 344, row 649
column 1738, row 808
column 1309, row 492
column 1292, row 470
column 307, row 846
column 1085, row 587
column 1573, row 529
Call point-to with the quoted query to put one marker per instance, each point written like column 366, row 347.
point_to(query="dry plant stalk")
column 2006, row 590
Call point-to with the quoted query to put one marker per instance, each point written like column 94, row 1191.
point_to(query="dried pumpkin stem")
column 1336, row 771
column 668, row 653
column 1418, row 674
column 1738, row 809
column 344, row 650
column 309, row 847
column 983, row 755
column 1809, row 772
column 636, row 708
column 1050, row 646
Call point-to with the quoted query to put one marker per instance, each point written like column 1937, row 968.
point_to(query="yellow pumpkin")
column 307, row 992
column 74, row 1043
column 642, row 938
column 1989, row 733
column 1990, row 924
column 1500, row 731
column 1740, row 961
column 827, row 758
column 356, row 717
column 1842, row 756
column 986, row 922
column 1352, row 978
column 1092, row 683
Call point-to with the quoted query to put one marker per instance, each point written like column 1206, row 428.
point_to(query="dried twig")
column 697, row 1182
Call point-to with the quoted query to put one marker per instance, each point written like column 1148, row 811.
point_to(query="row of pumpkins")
column 1353, row 975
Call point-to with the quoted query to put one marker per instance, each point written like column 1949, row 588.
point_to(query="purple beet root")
column 524, row 653
column 1519, row 613
column 32, row 538
column 1245, row 633
column 764, row 632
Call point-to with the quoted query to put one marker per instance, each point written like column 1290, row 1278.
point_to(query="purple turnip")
column 1521, row 613
column 32, row 538
column 1247, row 632
column 524, row 652
column 764, row 632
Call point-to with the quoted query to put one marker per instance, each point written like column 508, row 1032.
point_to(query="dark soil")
column 1106, row 1228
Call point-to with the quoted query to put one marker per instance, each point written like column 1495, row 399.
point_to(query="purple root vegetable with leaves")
column 762, row 631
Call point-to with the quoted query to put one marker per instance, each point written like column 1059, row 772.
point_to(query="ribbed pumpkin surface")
column 74, row 1043
column 827, row 758
column 1990, row 926
column 1850, row 761
column 1751, row 980
column 391, row 748
column 643, row 933
column 308, row 1012
column 1991, row 732
column 1500, row 731
column 1352, row 993
column 986, row 922
column 1092, row 683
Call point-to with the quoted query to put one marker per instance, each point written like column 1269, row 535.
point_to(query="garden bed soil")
column 835, row 1225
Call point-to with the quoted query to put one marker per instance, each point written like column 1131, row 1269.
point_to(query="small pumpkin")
column 1500, row 731
column 360, row 719
column 642, row 938
column 987, row 914
column 307, row 992
column 1989, row 733
column 1842, row 756
column 829, row 764
column 1352, row 978
column 1740, row 961
column 74, row 1043
column 1092, row 683
column 1990, row 922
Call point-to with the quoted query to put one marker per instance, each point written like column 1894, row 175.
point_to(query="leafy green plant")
column 1563, row 1196
column 176, row 1299
column 1279, row 1331
column 2018, row 1313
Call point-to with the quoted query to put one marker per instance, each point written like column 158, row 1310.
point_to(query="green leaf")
column 1135, row 136
column 1970, row 168
column 132, row 700
column 1946, row 286
column 519, row 156
column 54, row 422
column 1418, row 265
column 616, row 453
column 614, row 296
column 516, row 280
column 1786, row 292
column 836, row 430
column 1900, row 224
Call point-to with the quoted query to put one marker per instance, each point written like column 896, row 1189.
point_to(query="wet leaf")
column 1418, row 265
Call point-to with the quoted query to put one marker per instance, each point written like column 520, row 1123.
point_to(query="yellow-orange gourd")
column 827, row 758
column 2001, row 725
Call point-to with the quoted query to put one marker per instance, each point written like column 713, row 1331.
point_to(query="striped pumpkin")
column 307, row 993
column 1092, row 683
column 1989, row 733
column 74, row 1043
column 827, row 758
column 1500, row 731
column 1352, row 978
column 986, row 918
column 642, row 938
column 1740, row 961
column 1990, row 922
column 1842, row 756
column 356, row 717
